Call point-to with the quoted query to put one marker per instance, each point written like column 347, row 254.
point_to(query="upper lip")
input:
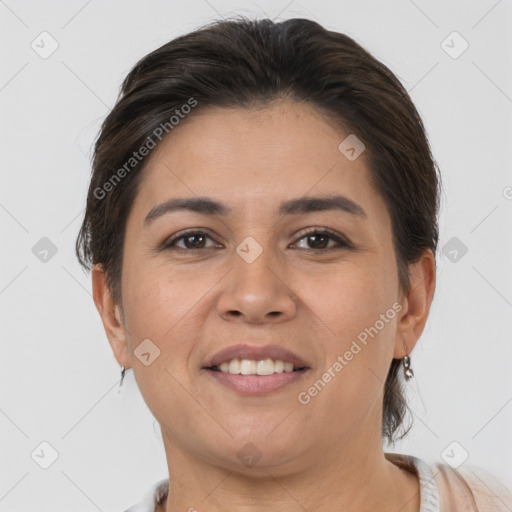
column 256, row 353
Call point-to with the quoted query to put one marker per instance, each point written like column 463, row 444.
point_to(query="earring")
column 123, row 371
column 120, row 388
column 409, row 374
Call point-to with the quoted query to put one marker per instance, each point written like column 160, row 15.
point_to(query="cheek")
column 349, row 298
column 157, row 299
column 169, row 307
column 357, row 309
column 358, row 322
column 156, row 307
column 159, row 308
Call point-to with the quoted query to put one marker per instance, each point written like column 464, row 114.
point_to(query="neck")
column 357, row 479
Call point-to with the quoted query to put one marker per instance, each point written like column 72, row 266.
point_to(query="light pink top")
column 442, row 488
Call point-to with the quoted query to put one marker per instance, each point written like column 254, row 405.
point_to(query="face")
column 321, row 283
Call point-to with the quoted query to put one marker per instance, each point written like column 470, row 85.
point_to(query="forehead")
column 249, row 158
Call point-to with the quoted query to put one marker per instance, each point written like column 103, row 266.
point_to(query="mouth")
column 256, row 370
column 256, row 385
column 254, row 367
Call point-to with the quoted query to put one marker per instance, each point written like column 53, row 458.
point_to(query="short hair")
column 244, row 63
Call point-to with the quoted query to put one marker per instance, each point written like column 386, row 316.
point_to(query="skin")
column 192, row 304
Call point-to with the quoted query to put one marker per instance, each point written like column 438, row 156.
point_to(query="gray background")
column 58, row 375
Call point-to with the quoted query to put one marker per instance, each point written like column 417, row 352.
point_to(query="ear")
column 416, row 304
column 110, row 316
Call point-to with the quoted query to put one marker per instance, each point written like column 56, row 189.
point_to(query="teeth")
column 251, row 367
column 248, row 367
column 279, row 366
column 265, row 367
column 234, row 366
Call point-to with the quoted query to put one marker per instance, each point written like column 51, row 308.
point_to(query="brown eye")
column 191, row 240
column 320, row 239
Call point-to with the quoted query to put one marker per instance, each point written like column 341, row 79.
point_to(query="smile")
column 253, row 367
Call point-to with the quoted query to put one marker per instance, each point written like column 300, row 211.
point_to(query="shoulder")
column 444, row 488
column 470, row 488
column 153, row 498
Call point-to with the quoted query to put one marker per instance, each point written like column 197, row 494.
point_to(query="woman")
column 261, row 225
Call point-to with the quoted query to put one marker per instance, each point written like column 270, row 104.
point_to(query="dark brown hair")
column 241, row 63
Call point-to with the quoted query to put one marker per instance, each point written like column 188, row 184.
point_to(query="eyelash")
column 342, row 243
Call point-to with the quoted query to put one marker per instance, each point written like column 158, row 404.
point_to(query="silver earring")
column 409, row 374
column 123, row 371
column 120, row 388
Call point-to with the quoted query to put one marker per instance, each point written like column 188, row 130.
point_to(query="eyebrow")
column 301, row 205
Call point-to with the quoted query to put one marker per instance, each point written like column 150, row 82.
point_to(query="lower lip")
column 257, row 384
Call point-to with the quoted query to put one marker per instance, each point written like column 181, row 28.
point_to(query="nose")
column 257, row 291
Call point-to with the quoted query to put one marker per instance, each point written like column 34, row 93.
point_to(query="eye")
column 192, row 239
column 320, row 238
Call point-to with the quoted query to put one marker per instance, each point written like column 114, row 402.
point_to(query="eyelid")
column 338, row 238
column 170, row 241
